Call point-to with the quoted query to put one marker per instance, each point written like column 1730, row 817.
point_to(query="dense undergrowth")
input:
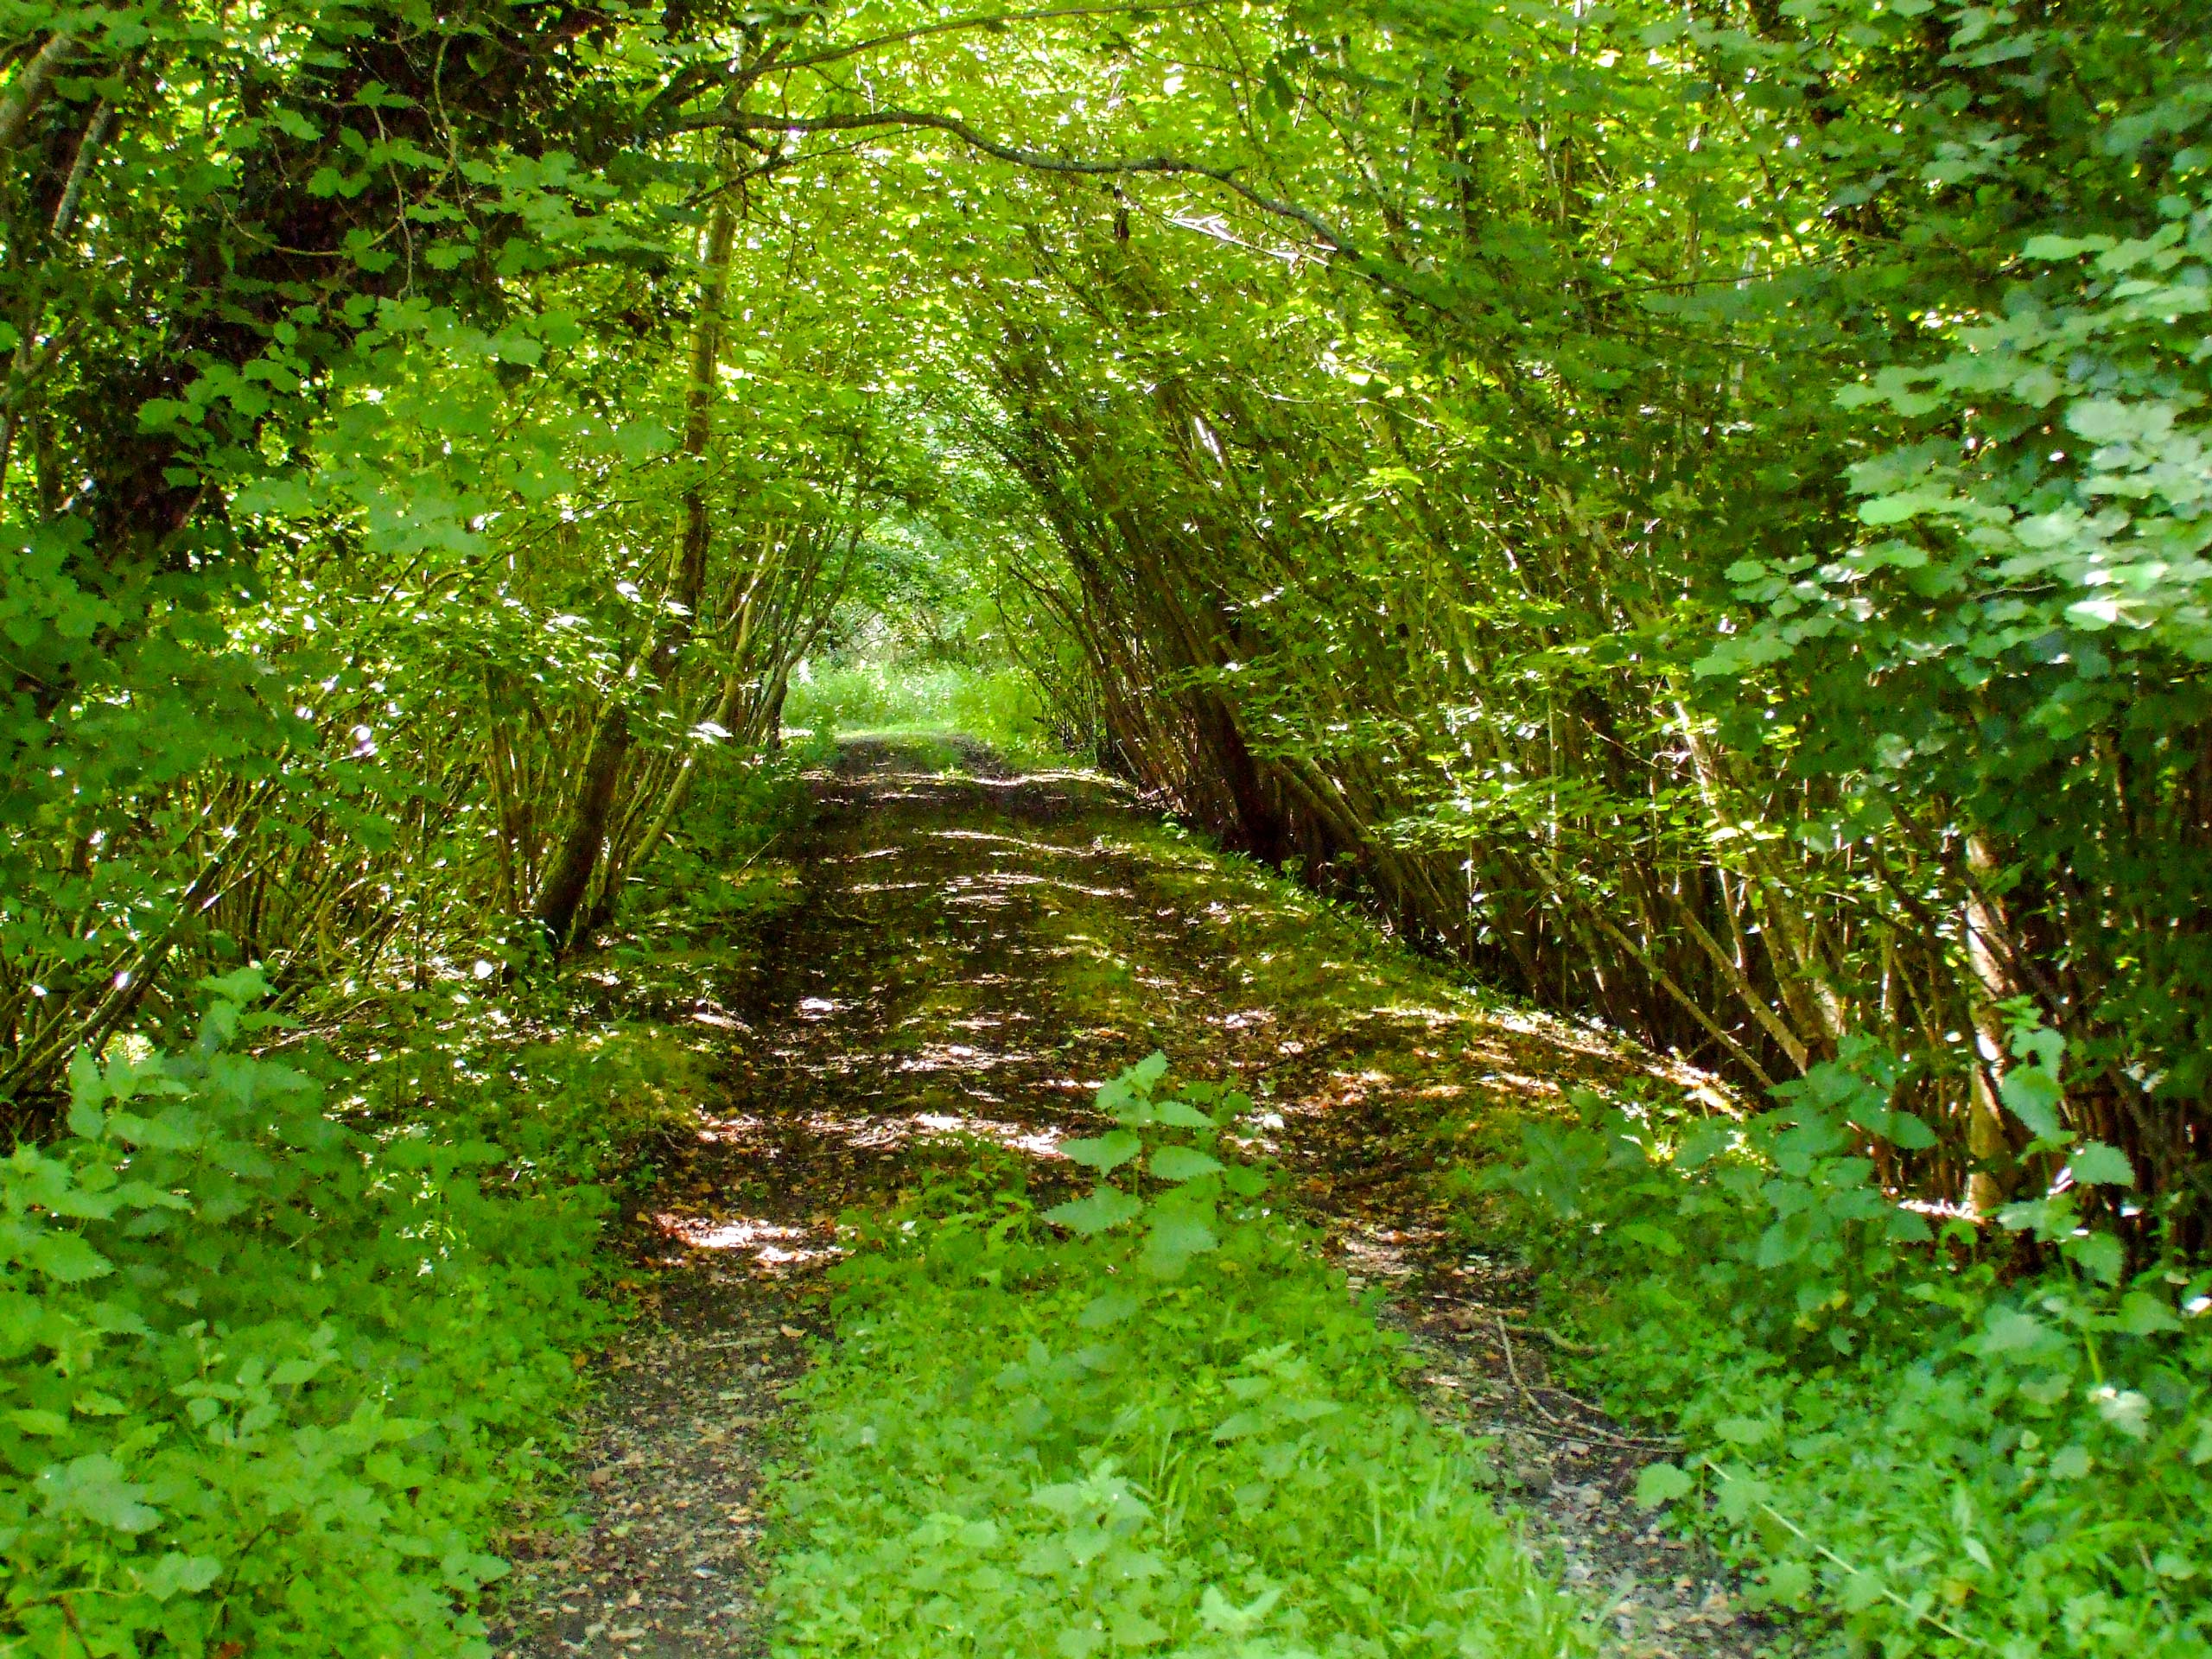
column 1930, row 1450
column 1914, row 1437
column 289, row 1327
column 1168, row 1430
column 272, row 1367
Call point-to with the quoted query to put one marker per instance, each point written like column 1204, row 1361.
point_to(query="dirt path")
column 972, row 953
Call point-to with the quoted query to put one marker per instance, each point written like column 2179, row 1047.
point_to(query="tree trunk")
column 584, row 835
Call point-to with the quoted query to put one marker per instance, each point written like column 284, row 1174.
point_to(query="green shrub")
column 1171, row 1431
column 1934, row 1455
column 268, row 1380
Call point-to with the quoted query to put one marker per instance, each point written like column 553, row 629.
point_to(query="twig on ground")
column 1565, row 1429
column 1545, row 1333
column 1513, row 1371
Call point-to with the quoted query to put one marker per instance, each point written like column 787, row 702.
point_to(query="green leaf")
column 1652, row 1236
column 1788, row 1582
column 1176, row 1237
column 2009, row 1332
column 67, row 1258
column 2143, row 1315
column 1244, row 1181
column 1183, row 1164
column 2100, row 1256
column 1105, row 1208
column 93, row 1487
column 1662, row 1483
column 2096, row 1164
column 1907, row 1133
column 88, row 1096
column 1111, row 1308
column 2062, row 247
column 177, row 1572
column 1216, row 1612
column 1908, row 1227
column 1106, row 1153
column 2032, row 1095
column 2125, row 1409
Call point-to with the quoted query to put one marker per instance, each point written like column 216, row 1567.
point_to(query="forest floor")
column 959, row 949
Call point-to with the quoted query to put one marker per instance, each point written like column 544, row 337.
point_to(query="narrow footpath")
column 947, row 951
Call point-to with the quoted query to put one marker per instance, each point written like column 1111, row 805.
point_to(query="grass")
column 999, row 709
column 1171, row 1433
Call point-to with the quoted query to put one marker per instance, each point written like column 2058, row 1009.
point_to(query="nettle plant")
column 1957, row 1435
column 1788, row 1212
column 266, row 1377
column 1187, row 1182
column 1148, row 1419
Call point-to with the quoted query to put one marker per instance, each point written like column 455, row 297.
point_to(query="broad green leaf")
column 1177, row 1236
column 1182, row 1164
column 2096, row 1164
column 2144, row 1315
column 1219, row 1614
column 1110, row 1308
column 1744, row 1431
column 93, row 1486
column 1107, row 1207
column 67, row 1258
column 1105, row 1153
column 2100, row 1255
column 1788, row 1582
column 177, row 1573
column 2032, row 1095
column 1662, row 1483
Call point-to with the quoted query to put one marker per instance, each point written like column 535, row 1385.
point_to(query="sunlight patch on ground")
column 771, row 1245
column 959, row 1057
column 1243, row 1019
column 877, row 1132
column 1055, row 848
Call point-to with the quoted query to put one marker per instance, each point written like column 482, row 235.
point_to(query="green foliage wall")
column 268, row 1379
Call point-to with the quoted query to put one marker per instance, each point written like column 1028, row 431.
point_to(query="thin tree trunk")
column 584, row 838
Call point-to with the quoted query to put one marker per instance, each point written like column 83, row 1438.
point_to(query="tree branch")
column 997, row 20
column 1334, row 240
column 27, row 91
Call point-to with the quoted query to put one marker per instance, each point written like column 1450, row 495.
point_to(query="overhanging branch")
column 1334, row 240
column 994, row 20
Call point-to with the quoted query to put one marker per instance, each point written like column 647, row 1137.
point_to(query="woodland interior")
column 1684, row 521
